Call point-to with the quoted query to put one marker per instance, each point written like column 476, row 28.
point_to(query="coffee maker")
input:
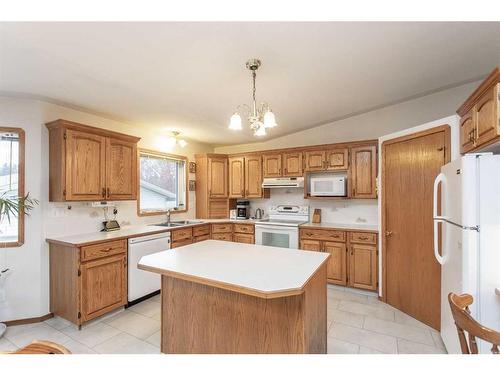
column 242, row 210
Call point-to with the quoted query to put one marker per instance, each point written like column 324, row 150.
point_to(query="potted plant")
column 10, row 207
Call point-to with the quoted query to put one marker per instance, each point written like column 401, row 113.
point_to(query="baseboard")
column 29, row 320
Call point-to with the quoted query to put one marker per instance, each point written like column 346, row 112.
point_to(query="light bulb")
column 182, row 143
column 269, row 119
column 235, row 123
column 261, row 130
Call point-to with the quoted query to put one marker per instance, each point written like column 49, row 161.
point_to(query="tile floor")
column 358, row 323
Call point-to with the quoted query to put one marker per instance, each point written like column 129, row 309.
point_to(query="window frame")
column 21, row 186
column 161, row 155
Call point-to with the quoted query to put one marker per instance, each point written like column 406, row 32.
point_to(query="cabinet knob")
column 103, row 193
column 388, row 233
column 108, row 192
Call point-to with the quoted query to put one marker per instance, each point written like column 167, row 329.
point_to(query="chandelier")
column 260, row 117
column 174, row 140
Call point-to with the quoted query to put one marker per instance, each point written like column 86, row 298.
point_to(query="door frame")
column 446, row 128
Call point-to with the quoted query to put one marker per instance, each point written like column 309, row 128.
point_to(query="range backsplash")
column 335, row 211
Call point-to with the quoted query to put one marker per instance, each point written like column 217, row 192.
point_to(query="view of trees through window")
column 9, row 177
column 161, row 182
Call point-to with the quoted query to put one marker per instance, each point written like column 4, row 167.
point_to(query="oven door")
column 276, row 235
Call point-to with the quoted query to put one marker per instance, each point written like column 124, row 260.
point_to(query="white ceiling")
column 191, row 76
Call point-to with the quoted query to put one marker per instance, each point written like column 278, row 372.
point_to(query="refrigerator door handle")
column 439, row 180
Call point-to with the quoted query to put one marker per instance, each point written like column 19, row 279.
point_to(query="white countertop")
column 354, row 226
column 262, row 271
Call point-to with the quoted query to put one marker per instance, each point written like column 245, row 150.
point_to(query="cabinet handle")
column 474, row 136
column 106, row 250
column 108, row 192
column 363, row 238
column 103, row 193
column 335, row 235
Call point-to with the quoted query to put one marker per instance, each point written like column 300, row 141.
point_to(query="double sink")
column 178, row 223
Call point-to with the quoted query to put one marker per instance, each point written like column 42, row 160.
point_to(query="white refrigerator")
column 470, row 242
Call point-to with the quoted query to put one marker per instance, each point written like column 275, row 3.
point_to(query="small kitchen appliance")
column 242, row 210
column 328, row 185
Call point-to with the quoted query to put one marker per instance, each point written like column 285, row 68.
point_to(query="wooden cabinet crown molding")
column 492, row 79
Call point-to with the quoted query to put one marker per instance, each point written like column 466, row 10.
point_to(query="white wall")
column 26, row 286
column 453, row 121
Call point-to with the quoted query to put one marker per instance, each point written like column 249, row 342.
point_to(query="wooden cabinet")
column 337, row 159
column 90, row 164
column 243, row 238
column 315, row 160
column 292, row 164
column 363, row 172
column 363, row 266
column 271, row 165
column 243, row 233
column 480, row 115
column 245, row 177
column 236, row 177
column 87, row 281
column 212, row 186
column 103, row 286
column 353, row 255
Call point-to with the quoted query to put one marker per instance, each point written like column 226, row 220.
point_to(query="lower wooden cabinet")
column 222, row 236
column 243, row 238
column 353, row 255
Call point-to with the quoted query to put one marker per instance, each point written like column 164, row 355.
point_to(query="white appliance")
column 281, row 229
column 142, row 283
column 283, row 182
column 470, row 259
column 328, row 185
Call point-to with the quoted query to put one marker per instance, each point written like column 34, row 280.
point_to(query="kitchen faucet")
column 169, row 211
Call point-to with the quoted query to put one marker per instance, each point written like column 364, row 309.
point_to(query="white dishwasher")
column 143, row 283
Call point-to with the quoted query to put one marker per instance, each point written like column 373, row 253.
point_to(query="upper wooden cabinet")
column 217, row 177
column 363, row 172
column 330, row 159
column 245, row 177
column 480, row 115
column 292, row 164
column 272, row 165
column 90, row 164
column 236, row 177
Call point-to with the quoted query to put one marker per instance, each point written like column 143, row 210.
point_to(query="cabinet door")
column 486, row 111
column 292, row 163
column 121, row 169
column 243, row 238
column 253, row 177
column 315, row 160
column 310, row 245
column 337, row 159
column 467, row 129
column 217, row 177
column 272, row 165
column 103, row 286
column 85, row 166
column 364, row 172
column 337, row 264
column 236, row 177
column 363, row 267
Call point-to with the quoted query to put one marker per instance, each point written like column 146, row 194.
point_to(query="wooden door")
column 315, row 160
column 292, row 163
column 236, row 177
column 103, row 285
column 486, row 112
column 217, row 178
column 364, row 172
column 336, row 267
column 85, row 166
column 253, row 177
column 310, row 245
column 121, row 169
column 363, row 266
column 337, row 159
column 467, row 129
column 412, row 276
column 272, row 165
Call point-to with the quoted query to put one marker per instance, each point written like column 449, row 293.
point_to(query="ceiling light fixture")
column 260, row 117
column 174, row 140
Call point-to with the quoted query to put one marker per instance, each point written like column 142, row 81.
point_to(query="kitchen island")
column 223, row 297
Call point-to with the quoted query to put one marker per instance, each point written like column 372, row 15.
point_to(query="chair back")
column 43, row 347
column 465, row 323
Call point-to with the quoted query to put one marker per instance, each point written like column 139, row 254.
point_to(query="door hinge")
column 79, row 273
column 79, row 314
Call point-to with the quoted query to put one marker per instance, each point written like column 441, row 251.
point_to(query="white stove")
column 282, row 227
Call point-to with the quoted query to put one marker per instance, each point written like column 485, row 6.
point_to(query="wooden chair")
column 465, row 323
column 43, row 347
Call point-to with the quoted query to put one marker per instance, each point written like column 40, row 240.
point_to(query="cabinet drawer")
column 360, row 237
column 244, row 228
column 201, row 238
column 222, row 236
column 322, row 234
column 182, row 234
column 180, row 243
column 222, row 228
column 103, row 250
column 201, row 230
column 243, row 238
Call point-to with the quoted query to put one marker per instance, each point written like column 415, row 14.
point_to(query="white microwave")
column 331, row 186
